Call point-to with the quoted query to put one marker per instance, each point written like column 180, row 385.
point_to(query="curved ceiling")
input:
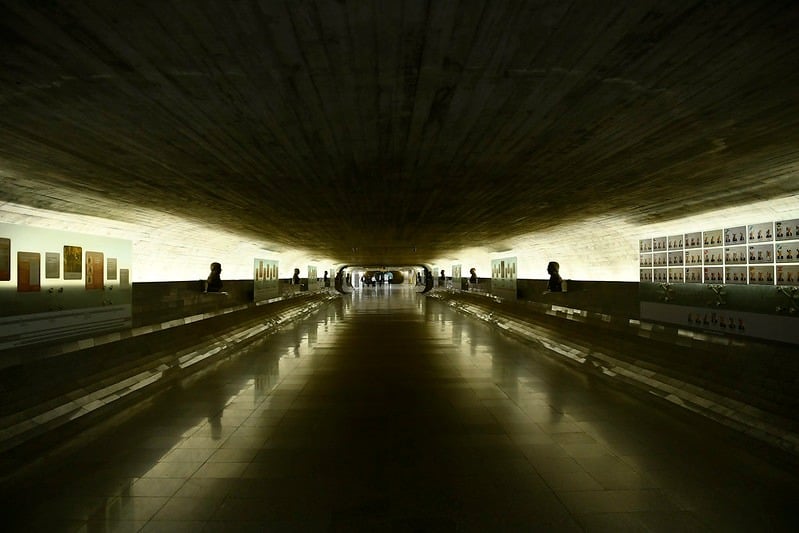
column 393, row 132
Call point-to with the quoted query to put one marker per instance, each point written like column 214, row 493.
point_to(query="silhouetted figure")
column 418, row 278
column 327, row 280
column 472, row 276
column 214, row 281
column 555, row 281
column 442, row 279
column 295, row 279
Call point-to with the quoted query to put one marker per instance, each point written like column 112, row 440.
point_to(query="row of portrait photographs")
column 502, row 270
column 754, row 275
column 782, row 230
column 783, row 252
column 96, row 268
column 265, row 271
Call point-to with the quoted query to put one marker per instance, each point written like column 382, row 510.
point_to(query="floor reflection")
column 391, row 411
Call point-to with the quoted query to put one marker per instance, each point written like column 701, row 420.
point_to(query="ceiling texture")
column 373, row 131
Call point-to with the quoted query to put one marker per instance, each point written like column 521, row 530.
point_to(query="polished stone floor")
column 390, row 412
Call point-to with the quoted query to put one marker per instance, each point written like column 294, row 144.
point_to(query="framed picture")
column 5, row 259
column 52, row 265
column 73, row 262
column 94, row 270
column 111, row 268
column 29, row 272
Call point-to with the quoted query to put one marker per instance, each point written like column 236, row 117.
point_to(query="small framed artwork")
column 5, row 259
column 29, row 272
column 73, row 262
column 52, row 265
column 94, row 270
column 111, row 268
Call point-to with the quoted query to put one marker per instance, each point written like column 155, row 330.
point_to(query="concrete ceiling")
column 363, row 130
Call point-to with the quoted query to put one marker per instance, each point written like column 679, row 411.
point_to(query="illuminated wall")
column 168, row 248
column 607, row 248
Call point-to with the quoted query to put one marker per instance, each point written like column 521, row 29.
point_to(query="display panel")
column 646, row 274
column 661, row 275
column 761, row 275
column 693, row 240
column 693, row 257
column 676, row 258
column 52, row 265
column 761, row 232
column 645, row 245
column 503, row 276
column 73, row 262
column 735, row 255
column 676, row 242
column 713, row 256
column 29, row 272
column 659, row 243
column 736, row 275
column 712, row 238
column 714, row 275
column 676, row 275
column 788, row 275
column 5, row 259
column 94, row 270
column 265, row 279
column 787, row 252
column 735, row 235
column 111, row 268
column 787, row 229
column 693, row 275
column 734, row 250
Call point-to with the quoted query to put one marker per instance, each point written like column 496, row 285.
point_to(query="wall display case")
column 761, row 232
column 52, row 265
column 5, row 259
column 265, row 280
column 73, row 262
column 714, row 275
column 787, row 275
column 693, row 257
column 736, row 275
column 735, row 235
column 761, row 275
column 787, row 252
column 712, row 238
column 693, row 275
column 713, row 256
column 29, row 272
column 742, row 280
column 735, row 255
column 94, row 270
column 761, row 253
column 111, row 268
column 734, row 250
column 785, row 230
column 503, row 277
column 693, row 240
